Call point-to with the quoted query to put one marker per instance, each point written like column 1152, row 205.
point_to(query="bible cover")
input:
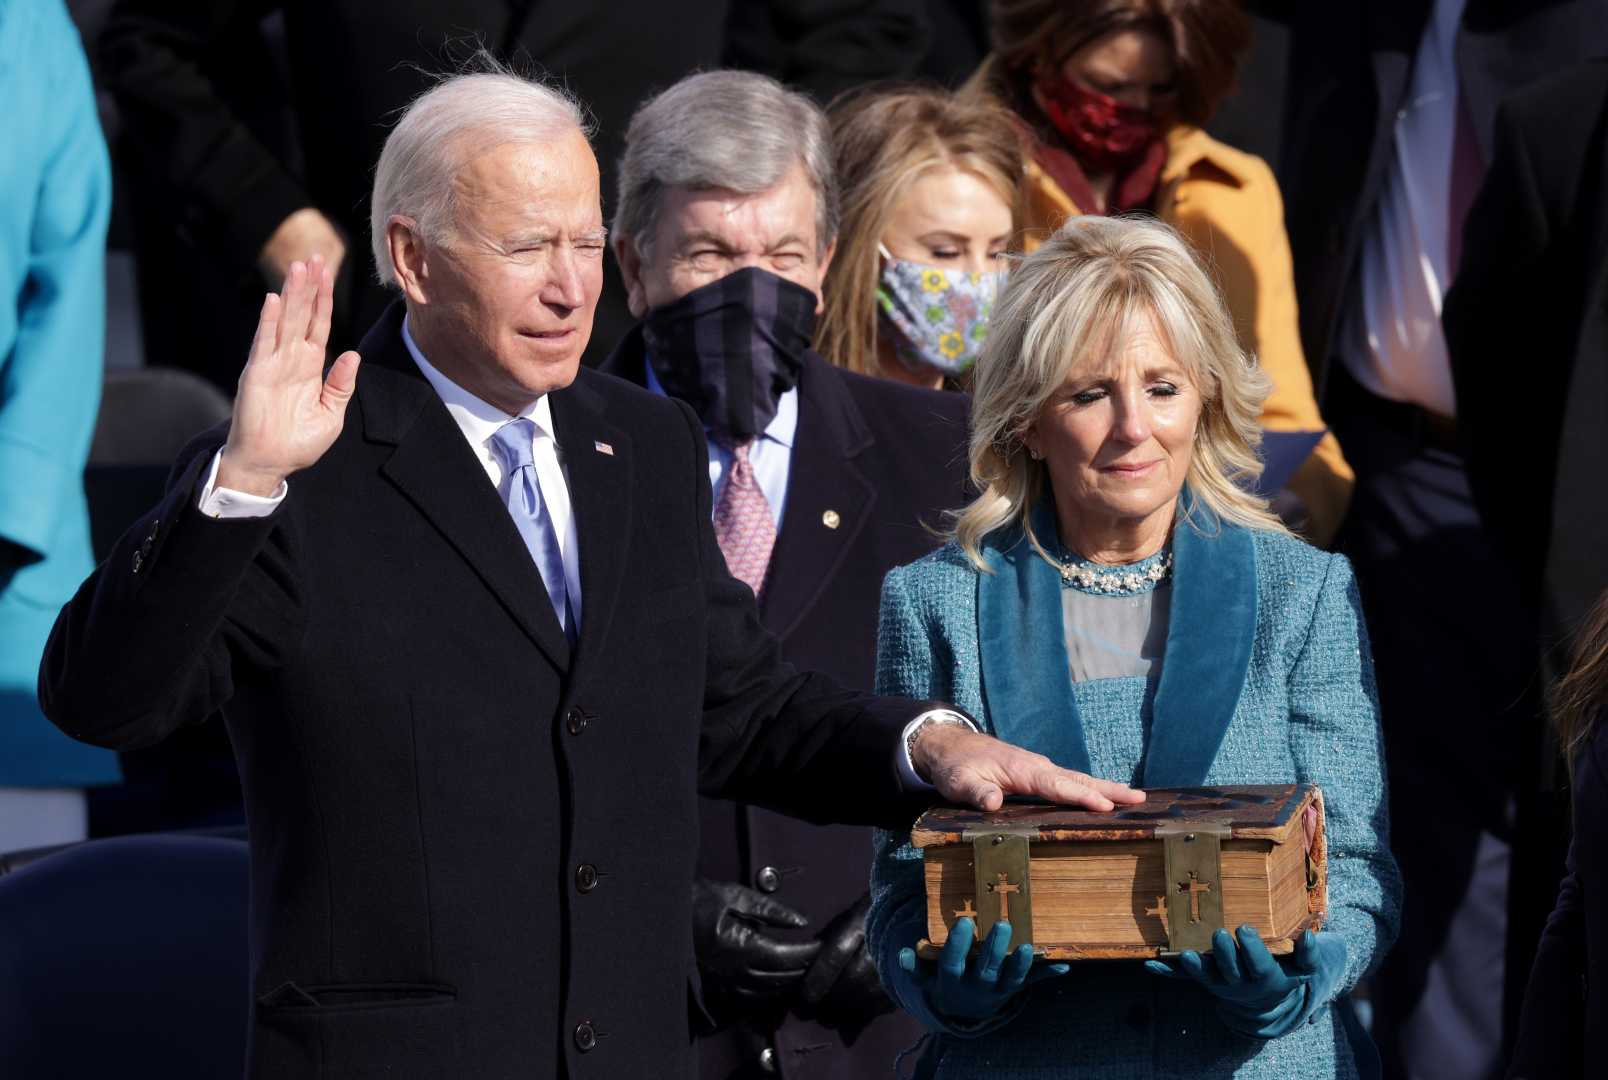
column 1141, row 881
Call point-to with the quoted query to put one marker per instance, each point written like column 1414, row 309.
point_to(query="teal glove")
column 977, row 988
column 1255, row 995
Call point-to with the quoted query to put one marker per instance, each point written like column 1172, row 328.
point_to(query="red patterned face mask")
column 1102, row 132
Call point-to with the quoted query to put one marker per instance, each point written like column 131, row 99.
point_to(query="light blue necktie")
column 525, row 505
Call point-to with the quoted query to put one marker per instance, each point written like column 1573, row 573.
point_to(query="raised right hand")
column 286, row 413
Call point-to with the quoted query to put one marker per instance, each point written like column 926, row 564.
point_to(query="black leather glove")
column 843, row 984
column 741, row 966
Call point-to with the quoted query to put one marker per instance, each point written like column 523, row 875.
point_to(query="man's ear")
column 630, row 260
column 820, row 282
column 408, row 260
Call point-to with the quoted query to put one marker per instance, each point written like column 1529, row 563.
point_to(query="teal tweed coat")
column 1266, row 679
column 55, row 199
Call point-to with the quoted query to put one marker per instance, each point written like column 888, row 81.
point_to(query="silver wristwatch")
column 932, row 719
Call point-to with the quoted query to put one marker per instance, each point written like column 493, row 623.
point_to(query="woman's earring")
column 1033, row 453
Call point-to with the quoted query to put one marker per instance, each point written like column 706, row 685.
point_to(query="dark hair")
column 1579, row 698
column 1208, row 39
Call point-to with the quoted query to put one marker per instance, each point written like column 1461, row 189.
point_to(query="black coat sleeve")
column 155, row 638
column 227, row 189
column 791, row 741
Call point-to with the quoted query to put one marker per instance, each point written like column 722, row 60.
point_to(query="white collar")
column 477, row 420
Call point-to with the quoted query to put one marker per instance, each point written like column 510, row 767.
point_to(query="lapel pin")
column 603, row 448
column 831, row 519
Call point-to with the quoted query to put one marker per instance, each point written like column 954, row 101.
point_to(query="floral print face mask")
column 939, row 316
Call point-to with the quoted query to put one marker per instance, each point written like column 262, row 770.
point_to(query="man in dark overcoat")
column 476, row 646
column 855, row 474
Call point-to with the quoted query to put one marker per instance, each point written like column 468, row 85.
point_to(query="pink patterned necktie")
column 744, row 528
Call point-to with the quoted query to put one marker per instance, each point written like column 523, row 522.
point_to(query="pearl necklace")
column 1130, row 580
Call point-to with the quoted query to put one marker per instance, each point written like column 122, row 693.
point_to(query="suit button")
column 768, row 879
column 576, row 721
column 586, row 877
column 585, row 1036
column 767, row 1059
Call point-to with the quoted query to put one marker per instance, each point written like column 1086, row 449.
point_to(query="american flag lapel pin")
column 603, row 448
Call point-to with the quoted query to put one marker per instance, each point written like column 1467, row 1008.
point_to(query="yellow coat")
column 1228, row 204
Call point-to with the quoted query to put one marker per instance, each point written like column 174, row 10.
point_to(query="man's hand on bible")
column 980, row 770
column 286, row 413
column 742, row 966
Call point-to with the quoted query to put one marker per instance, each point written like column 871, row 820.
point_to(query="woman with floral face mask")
column 929, row 188
column 1111, row 96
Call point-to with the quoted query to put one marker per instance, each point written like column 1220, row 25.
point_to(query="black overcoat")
column 471, row 847
column 875, row 464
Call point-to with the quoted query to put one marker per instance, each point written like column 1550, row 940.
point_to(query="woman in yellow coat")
column 1110, row 98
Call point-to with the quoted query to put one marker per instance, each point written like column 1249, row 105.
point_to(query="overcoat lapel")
column 824, row 485
column 436, row 470
column 598, row 460
column 1209, row 639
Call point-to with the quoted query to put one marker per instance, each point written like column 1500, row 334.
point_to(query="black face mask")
column 732, row 348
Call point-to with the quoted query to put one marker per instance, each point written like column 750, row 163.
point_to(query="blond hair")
column 884, row 141
column 1061, row 309
column 1579, row 698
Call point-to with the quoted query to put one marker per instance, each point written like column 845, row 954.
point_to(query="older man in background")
column 823, row 480
column 477, row 650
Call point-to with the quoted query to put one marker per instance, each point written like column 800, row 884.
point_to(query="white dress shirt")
column 1397, row 350
column 771, row 455
column 478, row 421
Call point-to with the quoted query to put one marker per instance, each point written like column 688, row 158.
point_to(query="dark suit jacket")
column 887, row 459
column 471, row 846
column 1566, row 1006
column 354, row 63
column 1351, row 65
column 1527, row 327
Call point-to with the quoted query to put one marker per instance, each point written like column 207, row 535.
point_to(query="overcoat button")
column 585, row 1036
column 586, row 877
column 767, row 1059
column 768, row 879
column 576, row 721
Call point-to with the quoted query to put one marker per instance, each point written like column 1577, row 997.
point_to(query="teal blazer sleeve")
column 898, row 916
column 1336, row 743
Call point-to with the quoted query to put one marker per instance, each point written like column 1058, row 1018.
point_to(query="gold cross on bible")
column 1003, row 889
column 967, row 912
column 1194, row 887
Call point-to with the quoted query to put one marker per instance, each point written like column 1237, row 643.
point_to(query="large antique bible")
column 1141, row 881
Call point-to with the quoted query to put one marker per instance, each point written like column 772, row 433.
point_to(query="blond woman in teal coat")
column 1115, row 600
column 55, row 196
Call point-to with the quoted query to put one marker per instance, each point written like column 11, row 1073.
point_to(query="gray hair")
column 723, row 129
column 452, row 123
column 1058, row 313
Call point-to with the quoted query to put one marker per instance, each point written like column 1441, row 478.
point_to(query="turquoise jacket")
column 55, row 196
column 1266, row 679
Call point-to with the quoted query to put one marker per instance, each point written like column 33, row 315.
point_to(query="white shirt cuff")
column 906, row 767
column 217, row 502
